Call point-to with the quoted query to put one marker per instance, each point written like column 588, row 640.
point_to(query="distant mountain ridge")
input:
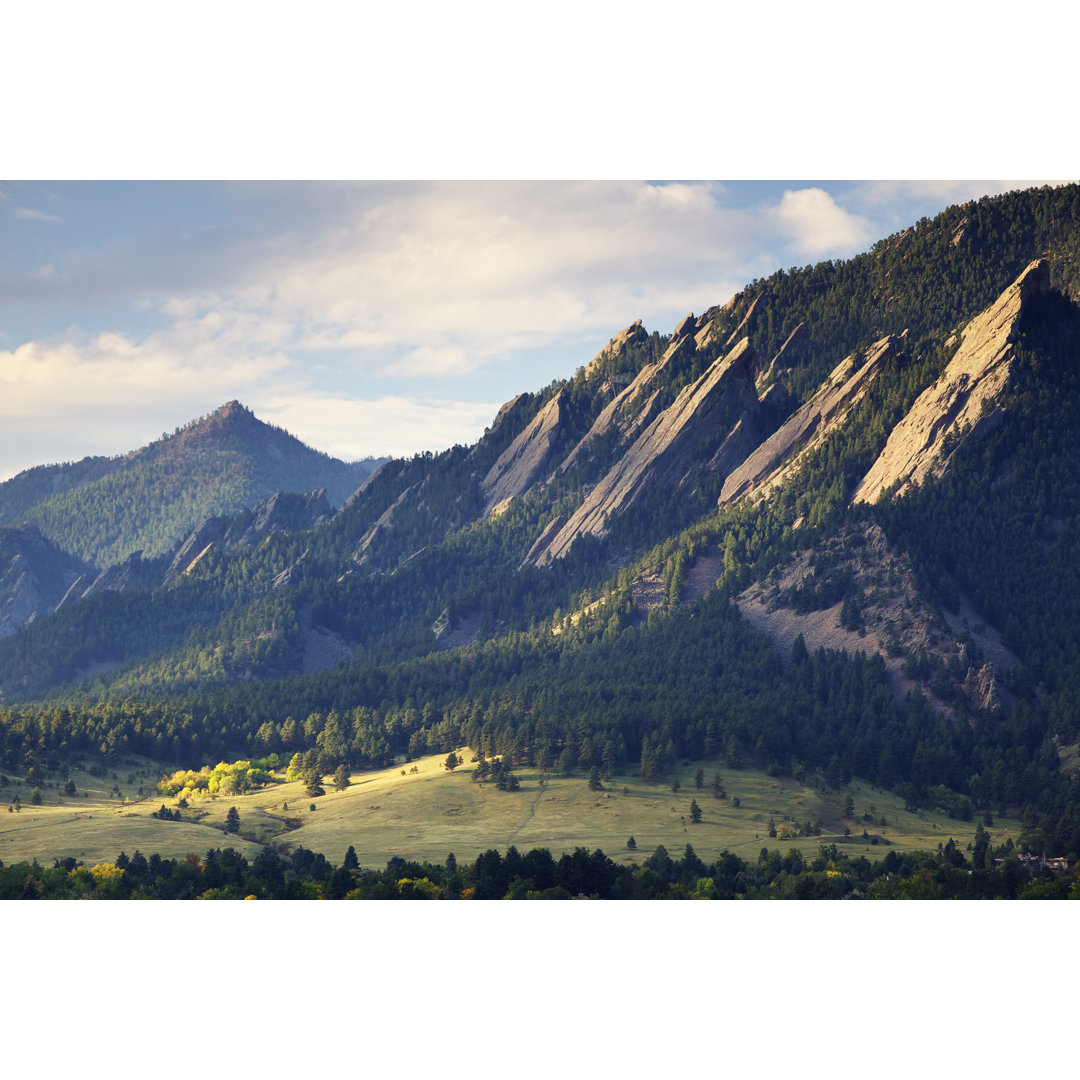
column 104, row 509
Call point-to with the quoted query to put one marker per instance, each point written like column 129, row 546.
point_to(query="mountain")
column 830, row 527
column 105, row 509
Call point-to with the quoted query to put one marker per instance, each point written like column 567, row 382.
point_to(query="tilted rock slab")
column 525, row 459
column 977, row 374
column 809, row 424
column 637, row 405
column 713, row 405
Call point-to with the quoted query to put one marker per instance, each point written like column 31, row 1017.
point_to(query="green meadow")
column 420, row 810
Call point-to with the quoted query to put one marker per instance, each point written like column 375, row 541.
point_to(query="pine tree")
column 232, row 820
column 695, row 811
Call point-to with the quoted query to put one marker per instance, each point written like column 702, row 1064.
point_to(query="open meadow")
column 421, row 810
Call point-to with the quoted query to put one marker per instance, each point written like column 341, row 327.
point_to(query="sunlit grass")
column 430, row 812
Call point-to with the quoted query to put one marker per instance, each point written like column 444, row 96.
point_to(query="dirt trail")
column 529, row 816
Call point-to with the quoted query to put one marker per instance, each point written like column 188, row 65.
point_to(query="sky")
column 377, row 317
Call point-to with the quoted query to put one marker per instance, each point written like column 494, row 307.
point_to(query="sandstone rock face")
column 777, row 455
column 382, row 524
column 525, row 459
column 626, row 412
column 75, row 591
column 745, row 323
column 21, row 592
column 549, row 532
column 705, row 413
column 787, row 357
column 278, row 513
column 637, row 405
column 634, row 334
column 974, row 378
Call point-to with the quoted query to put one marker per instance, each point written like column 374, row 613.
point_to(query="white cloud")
column 352, row 428
column 817, row 226
column 35, row 215
column 441, row 278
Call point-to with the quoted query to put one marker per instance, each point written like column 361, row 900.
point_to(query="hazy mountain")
column 104, row 509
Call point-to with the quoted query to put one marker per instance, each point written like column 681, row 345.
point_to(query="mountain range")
column 829, row 524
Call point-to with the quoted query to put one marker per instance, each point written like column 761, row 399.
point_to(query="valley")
column 421, row 811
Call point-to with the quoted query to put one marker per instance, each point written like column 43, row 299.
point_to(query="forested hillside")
column 103, row 509
column 565, row 593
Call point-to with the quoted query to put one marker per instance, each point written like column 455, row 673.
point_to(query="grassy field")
column 430, row 812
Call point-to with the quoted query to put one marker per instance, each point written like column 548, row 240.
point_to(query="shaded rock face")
column 115, row 578
column 963, row 398
column 773, row 460
column 284, row 511
column 281, row 512
column 705, row 413
column 195, row 544
column 34, row 576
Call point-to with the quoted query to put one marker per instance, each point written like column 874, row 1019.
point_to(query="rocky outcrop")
column 638, row 404
column 527, row 457
column 789, row 355
column 34, row 575
column 506, row 410
column 284, row 512
column 634, row 334
column 548, row 533
column 115, row 578
column 382, row 524
column 744, row 324
column 281, row 512
column 291, row 574
column 962, row 399
column 774, row 459
column 21, row 595
column 196, row 542
column 705, row 415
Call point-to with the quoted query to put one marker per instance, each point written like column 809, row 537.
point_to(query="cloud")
column 35, row 215
column 816, row 226
column 414, row 277
column 352, row 428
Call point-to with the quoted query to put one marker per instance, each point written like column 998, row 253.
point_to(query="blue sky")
column 371, row 318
